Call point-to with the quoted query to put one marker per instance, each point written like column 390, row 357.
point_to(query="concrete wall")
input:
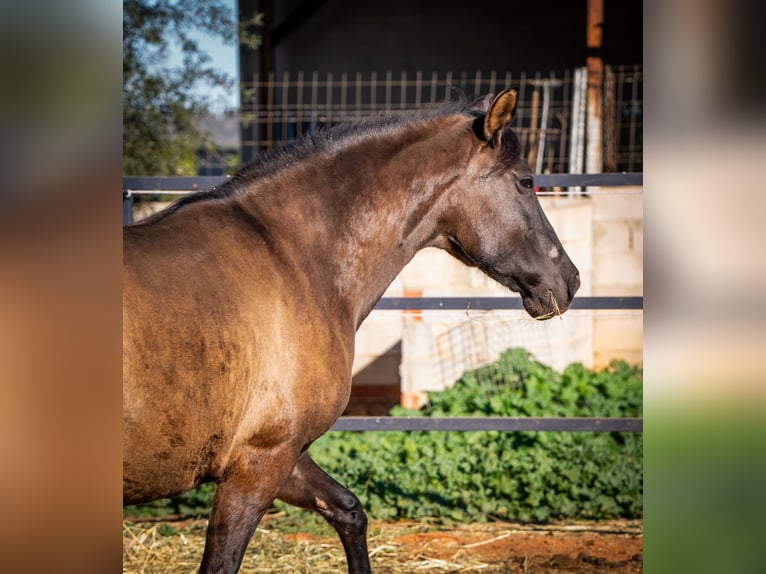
column 618, row 236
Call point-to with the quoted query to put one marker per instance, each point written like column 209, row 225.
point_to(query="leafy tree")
column 159, row 103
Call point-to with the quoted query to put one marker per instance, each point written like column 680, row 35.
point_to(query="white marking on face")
column 553, row 253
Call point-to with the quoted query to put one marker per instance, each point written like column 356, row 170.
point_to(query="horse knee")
column 354, row 513
column 345, row 512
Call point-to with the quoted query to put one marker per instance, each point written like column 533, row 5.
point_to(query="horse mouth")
column 537, row 307
column 544, row 307
column 555, row 309
column 540, row 303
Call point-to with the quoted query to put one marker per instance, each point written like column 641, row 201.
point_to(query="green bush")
column 478, row 475
column 531, row 476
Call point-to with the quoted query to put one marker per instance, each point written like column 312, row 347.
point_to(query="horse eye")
column 527, row 182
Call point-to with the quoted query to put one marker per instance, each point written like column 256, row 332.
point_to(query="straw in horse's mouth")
column 556, row 310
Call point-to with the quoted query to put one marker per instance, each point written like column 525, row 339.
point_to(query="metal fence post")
column 127, row 207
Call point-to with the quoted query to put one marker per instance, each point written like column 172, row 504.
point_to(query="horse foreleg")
column 310, row 487
column 241, row 499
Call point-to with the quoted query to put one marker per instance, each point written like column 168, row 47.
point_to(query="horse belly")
column 181, row 410
column 186, row 421
column 169, row 451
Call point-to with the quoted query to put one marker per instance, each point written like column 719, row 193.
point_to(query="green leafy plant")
column 531, row 476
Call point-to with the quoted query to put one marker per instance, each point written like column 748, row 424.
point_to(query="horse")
column 241, row 303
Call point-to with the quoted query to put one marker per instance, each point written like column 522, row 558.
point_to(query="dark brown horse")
column 241, row 303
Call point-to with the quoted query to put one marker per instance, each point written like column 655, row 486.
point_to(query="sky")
column 224, row 57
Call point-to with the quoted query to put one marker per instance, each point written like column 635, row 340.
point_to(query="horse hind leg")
column 312, row 488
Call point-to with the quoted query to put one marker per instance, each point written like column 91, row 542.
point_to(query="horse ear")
column 500, row 113
column 482, row 104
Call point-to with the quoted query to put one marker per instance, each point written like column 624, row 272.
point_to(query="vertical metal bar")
column 562, row 143
column 534, row 130
column 373, row 92
column 492, row 82
column 358, row 94
column 619, row 104
column 270, row 111
column 314, row 101
column 564, row 118
column 578, row 124
column 521, row 109
column 610, row 149
column 299, row 106
column 388, row 91
column 127, row 207
column 343, row 88
column 418, row 87
column 283, row 104
column 403, row 91
column 633, row 107
column 434, row 85
column 549, row 157
column 594, row 141
column 543, row 126
column 328, row 100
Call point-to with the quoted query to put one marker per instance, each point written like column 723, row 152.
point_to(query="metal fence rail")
column 156, row 186
column 489, row 303
column 163, row 184
column 504, row 424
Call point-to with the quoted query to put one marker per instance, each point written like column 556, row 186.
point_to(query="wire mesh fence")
column 475, row 343
column 549, row 118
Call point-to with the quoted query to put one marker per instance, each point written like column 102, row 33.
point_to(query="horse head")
column 494, row 220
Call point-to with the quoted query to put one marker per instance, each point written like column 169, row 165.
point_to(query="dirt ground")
column 398, row 547
column 615, row 547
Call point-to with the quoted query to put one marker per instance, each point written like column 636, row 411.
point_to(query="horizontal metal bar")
column 505, row 424
column 172, row 183
column 487, row 303
column 197, row 183
column 588, row 179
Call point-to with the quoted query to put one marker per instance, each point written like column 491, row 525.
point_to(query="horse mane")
column 331, row 139
column 326, row 141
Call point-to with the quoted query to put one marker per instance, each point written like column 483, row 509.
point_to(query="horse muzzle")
column 546, row 302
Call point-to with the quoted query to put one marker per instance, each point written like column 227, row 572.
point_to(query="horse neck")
column 356, row 217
